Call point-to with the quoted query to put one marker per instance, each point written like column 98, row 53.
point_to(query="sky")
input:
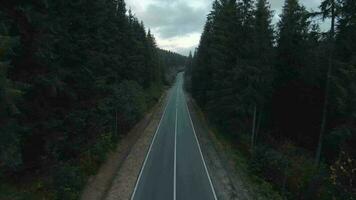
column 177, row 24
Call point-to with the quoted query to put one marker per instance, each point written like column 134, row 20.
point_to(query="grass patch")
column 66, row 180
column 259, row 189
column 26, row 191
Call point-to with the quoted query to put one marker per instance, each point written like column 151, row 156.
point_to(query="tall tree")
column 329, row 10
column 262, row 55
column 73, row 75
column 248, row 82
column 290, row 83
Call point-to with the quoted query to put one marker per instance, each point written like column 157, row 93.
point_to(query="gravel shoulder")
column 116, row 178
column 227, row 180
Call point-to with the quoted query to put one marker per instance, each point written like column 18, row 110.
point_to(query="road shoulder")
column 117, row 176
column 226, row 180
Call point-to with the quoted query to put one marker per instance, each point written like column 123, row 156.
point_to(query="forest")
column 283, row 94
column 75, row 76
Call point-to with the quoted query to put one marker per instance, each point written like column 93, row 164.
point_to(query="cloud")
column 174, row 19
column 181, row 44
column 177, row 24
column 171, row 18
column 277, row 6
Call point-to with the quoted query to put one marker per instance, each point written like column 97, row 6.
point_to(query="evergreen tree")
column 74, row 75
column 263, row 53
column 253, row 86
column 263, row 31
column 328, row 8
column 343, row 86
column 217, row 80
column 291, row 83
column 293, row 32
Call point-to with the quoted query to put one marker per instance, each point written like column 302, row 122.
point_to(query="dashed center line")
column 175, row 151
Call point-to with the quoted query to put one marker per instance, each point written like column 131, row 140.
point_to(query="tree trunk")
column 116, row 125
column 327, row 85
column 253, row 127
column 258, row 126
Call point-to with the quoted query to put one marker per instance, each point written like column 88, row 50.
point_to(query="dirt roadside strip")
column 227, row 182
column 116, row 178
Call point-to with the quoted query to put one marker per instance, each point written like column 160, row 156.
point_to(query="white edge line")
column 196, row 138
column 149, row 150
column 175, row 160
column 175, row 150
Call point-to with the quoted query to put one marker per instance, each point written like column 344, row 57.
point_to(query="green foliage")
column 73, row 76
column 231, row 71
column 292, row 171
column 343, row 176
column 130, row 101
column 336, row 140
column 258, row 188
column 270, row 163
column 250, row 78
column 16, row 193
column 171, row 63
column 10, row 151
column 10, row 130
column 96, row 155
column 68, row 180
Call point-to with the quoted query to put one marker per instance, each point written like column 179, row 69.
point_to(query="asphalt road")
column 174, row 167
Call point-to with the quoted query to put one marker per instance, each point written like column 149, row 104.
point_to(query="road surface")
column 174, row 167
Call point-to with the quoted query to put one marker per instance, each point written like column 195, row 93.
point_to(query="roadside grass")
column 26, row 191
column 277, row 170
column 258, row 188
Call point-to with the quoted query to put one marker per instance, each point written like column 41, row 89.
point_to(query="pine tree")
column 77, row 71
column 293, row 30
column 263, row 34
column 343, row 89
column 329, row 9
column 246, row 14
column 222, row 50
column 263, row 31
column 248, row 82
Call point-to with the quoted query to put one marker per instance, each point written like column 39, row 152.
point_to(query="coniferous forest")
column 283, row 94
column 75, row 76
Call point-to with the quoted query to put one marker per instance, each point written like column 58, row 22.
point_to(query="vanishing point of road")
column 174, row 167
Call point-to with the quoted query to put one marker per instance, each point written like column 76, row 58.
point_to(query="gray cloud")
column 174, row 18
column 277, row 6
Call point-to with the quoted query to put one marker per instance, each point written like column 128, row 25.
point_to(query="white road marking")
column 175, row 161
column 201, row 154
column 175, row 149
column 149, row 150
column 175, row 152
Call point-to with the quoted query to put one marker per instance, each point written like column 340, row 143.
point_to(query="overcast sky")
column 178, row 24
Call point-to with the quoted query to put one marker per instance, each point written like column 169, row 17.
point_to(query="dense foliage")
column 286, row 96
column 74, row 77
column 171, row 63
